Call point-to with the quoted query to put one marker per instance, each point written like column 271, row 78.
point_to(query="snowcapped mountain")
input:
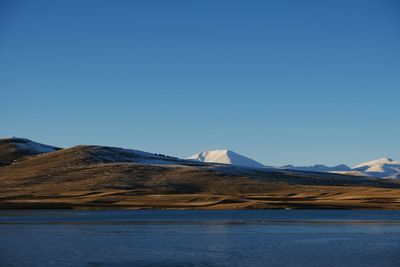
column 227, row 157
column 318, row 168
column 380, row 168
column 373, row 164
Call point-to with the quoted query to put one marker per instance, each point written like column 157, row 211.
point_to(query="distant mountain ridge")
column 380, row 168
column 318, row 168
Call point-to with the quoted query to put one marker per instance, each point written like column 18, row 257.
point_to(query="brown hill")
column 12, row 149
column 106, row 177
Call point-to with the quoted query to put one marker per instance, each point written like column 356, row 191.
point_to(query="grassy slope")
column 85, row 177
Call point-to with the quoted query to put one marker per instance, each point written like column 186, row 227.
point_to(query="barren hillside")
column 93, row 177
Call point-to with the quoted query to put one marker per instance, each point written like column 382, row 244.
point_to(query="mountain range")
column 380, row 168
column 34, row 175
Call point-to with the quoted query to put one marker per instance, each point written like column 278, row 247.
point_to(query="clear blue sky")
column 298, row 82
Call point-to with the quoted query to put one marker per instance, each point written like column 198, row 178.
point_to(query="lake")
column 148, row 238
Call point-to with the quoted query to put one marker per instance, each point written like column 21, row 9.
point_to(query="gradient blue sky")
column 297, row 82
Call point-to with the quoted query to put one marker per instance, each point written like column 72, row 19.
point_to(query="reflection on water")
column 200, row 238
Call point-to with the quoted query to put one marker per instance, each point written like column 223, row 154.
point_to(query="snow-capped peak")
column 373, row 162
column 382, row 168
column 225, row 156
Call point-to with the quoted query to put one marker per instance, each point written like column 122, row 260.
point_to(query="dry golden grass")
column 79, row 178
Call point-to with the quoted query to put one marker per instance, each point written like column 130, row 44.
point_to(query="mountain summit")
column 372, row 163
column 225, row 156
column 381, row 168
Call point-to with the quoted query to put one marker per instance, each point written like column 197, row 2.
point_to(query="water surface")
column 200, row 238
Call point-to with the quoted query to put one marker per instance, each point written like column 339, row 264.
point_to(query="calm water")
column 200, row 238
